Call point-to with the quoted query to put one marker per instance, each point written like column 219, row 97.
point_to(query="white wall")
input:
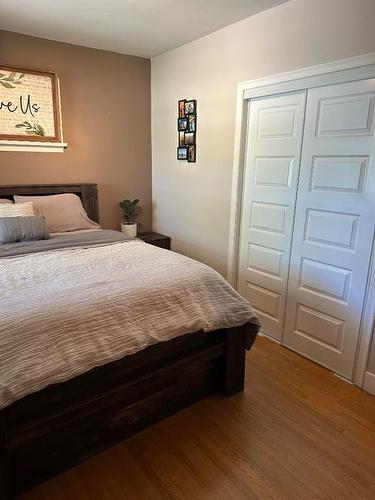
column 191, row 201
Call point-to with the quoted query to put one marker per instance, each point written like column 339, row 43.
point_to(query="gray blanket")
column 67, row 240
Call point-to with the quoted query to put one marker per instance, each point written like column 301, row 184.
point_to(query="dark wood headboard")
column 87, row 192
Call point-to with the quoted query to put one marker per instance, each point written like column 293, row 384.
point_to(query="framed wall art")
column 29, row 106
column 183, row 123
column 190, row 107
column 192, row 123
column 191, row 153
column 187, row 129
column 182, row 153
column 181, row 139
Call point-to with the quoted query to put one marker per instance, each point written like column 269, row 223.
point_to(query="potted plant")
column 128, row 215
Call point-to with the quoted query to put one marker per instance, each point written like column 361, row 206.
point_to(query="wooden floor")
column 297, row 432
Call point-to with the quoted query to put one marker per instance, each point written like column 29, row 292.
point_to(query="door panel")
column 334, row 225
column 272, row 163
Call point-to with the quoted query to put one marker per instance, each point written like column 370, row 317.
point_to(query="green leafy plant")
column 32, row 128
column 12, row 80
column 129, row 211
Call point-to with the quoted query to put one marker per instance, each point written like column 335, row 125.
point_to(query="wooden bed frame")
column 51, row 430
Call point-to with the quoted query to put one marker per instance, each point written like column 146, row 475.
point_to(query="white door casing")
column 272, row 163
column 334, row 225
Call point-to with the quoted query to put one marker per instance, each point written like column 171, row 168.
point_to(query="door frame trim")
column 341, row 71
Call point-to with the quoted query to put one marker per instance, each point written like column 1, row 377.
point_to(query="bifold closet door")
column 334, row 225
column 274, row 138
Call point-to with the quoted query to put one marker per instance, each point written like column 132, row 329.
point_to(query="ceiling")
column 138, row 27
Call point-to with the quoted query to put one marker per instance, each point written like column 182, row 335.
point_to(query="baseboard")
column 268, row 336
column 369, row 383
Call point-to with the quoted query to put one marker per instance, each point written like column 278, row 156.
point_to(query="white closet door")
column 334, row 228
column 272, row 163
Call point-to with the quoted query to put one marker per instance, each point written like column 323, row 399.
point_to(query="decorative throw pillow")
column 5, row 201
column 62, row 212
column 16, row 210
column 15, row 229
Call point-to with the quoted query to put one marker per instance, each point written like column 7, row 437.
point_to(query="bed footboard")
column 6, row 487
column 56, row 428
column 235, row 354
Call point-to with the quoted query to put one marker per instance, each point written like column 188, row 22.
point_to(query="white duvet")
column 64, row 312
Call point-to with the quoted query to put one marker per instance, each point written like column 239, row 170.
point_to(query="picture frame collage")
column 187, row 130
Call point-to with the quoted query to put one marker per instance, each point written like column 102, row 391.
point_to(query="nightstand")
column 156, row 239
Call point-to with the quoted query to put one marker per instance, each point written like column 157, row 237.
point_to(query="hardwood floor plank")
column 296, row 432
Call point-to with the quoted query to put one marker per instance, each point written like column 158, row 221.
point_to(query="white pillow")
column 62, row 212
column 16, row 210
column 3, row 201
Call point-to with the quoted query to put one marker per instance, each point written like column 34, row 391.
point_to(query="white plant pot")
column 129, row 229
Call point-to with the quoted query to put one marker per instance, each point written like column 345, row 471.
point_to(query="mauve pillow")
column 4, row 200
column 15, row 229
column 62, row 212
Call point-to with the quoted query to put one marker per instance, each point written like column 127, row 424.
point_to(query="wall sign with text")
column 29, row 108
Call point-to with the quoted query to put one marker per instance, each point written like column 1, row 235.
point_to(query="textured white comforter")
column 64, row 312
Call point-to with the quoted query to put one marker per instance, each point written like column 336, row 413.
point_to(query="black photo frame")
column 189, row 138
column 187, row 128
column 181, row 108
column 182, row 153
column 191, row 153
column 182, row 123
column 192, row 123
column 190, row 107
column 181, row 139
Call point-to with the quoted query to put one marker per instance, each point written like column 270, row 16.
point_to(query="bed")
column 101, row 368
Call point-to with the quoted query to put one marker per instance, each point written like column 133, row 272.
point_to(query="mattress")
column 84, row 303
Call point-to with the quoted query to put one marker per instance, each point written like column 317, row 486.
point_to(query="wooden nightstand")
column 157, row 239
